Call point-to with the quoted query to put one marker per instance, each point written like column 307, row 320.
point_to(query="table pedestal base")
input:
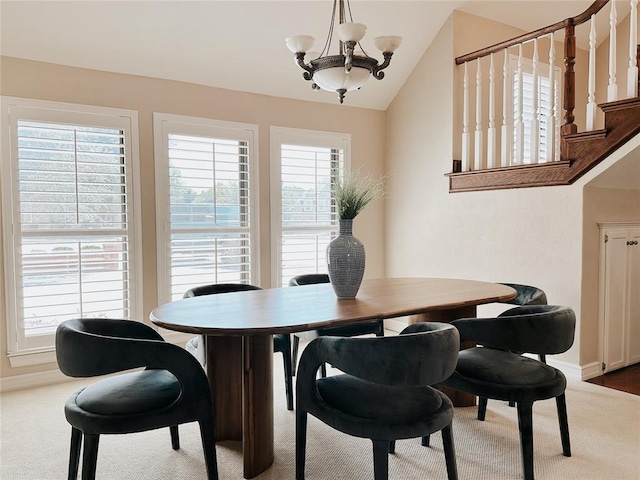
column 240, row 372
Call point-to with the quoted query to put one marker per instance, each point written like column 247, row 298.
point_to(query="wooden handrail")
column 575, row 21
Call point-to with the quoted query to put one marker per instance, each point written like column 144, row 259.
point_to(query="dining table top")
column 300, row 308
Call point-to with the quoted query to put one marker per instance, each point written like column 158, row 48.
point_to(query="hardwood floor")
column 626, row 379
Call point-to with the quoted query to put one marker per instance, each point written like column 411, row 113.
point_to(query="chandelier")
column 348, row 70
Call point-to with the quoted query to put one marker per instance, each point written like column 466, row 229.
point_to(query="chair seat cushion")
column 501, row 367
column 130, row 393
column 359, row 398
column 502, row 375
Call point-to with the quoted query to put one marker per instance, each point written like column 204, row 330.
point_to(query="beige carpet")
column 604, row 426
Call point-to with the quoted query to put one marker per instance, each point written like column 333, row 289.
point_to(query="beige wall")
column 530, row 236
column 22, row 78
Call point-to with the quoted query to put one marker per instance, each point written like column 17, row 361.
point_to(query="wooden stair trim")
column 622, row 123
column 520, row 176
column 580, row 152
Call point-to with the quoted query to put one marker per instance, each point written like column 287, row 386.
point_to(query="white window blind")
column 208, row 208
column 528, row 107
column 308, row 164
column 72, row 253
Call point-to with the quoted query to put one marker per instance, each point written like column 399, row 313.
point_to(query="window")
column 67, row 197
column 304, row 219
column 529, row 110
column 206, row 185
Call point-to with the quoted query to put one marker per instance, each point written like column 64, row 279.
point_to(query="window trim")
column 296, row 136
column 14, row 109
column 198, row 126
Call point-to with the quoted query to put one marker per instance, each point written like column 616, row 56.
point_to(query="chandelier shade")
column 346, row 70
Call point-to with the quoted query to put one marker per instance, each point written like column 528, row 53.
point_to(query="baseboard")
column 30, row 380
column 395, row 324
column 591, row 370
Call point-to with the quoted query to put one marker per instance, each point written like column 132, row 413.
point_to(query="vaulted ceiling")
column 239, row 44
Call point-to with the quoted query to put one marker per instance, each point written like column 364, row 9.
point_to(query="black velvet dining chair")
column 385, row 392
column 172, row 388
column 281, row 341
column 497, row 370
column 525, row 295
column 352, row 330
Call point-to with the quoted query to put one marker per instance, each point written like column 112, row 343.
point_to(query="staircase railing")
column 531, row 90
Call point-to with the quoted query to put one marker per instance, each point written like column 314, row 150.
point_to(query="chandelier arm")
column 377, row 71
column 308, row 74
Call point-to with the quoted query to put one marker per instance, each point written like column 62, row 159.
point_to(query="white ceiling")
column 237, row 44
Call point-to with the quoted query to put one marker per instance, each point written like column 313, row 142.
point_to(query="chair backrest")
column 309, row 279
column 219, row 288
column 540, row 329
column 87, row 347
column 423, row 354
column 526, row 295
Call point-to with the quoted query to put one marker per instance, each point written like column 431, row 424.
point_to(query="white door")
column 615, row 258
column 633, row 265
column 620, row 296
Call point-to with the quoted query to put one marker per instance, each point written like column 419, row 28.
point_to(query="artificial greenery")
column 354, row 192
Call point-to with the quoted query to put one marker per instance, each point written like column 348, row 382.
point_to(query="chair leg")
column 301, row 442
column 175, row 437
column 90, row 456
column 525, row 425
column 425, row 440
column 392, row 446
column 482, row 408
column 449, row 453
column 294, row 354
column 561, row 404
column 209, row 446
column 381, row 332
column 74, row 454
column 380, row 459
column 288, row 380
column 323, row 370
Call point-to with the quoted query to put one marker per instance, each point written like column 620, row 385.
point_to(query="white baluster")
column 477, row 160
column 505, row 152
column 551, row 118
column 556, row 115
column 632, row 71
column 465, row 122
column 491, row 132
column 612, row 90
column 535, row 118
column 519, row 124
column 591, row 101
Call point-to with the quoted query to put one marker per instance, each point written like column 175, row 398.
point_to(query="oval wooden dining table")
column 238, row 329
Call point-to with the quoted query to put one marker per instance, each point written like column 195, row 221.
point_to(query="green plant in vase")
column 346, row 254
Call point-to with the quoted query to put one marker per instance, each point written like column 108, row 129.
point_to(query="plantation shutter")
column 206, row 169
column 73, row 225
column 529, row 109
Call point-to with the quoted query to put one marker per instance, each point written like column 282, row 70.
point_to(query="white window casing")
column 206, row 203
column 71, row 220
column 304, row 163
